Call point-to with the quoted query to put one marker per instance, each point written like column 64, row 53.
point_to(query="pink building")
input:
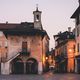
column 23, row 47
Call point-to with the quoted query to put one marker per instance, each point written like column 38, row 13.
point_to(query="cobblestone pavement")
column 47, row 76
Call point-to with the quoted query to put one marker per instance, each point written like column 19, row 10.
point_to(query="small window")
column 78, row 47
column 24, row 46
column 77, row 20
column 74, row 47
column 77, row 31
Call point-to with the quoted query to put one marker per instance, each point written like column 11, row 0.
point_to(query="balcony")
column 25, row 52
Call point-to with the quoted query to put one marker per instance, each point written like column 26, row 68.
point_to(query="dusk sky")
column 55, row 13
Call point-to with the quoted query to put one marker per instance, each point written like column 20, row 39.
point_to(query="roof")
column 63, row 38
column 4, row 26
column 24, row 28
column 7, row 26
column 76, row 12
column 65, row 35
column 24, row 32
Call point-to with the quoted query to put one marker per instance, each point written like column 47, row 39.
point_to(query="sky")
column 55, row 14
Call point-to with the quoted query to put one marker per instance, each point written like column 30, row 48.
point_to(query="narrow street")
column 47, row 76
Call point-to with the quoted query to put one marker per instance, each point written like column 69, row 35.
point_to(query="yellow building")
column 64, row 51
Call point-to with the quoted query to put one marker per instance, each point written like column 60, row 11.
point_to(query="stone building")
column 23, row 47
column 76, row 16
column 64, row 51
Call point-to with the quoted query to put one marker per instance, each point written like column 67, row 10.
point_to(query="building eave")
column 76, row 12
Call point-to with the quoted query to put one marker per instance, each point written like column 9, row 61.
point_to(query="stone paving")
column 47, row 76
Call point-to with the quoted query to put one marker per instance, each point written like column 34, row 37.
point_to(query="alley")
column 47, row 76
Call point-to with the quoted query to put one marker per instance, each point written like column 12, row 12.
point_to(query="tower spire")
column 37, row 7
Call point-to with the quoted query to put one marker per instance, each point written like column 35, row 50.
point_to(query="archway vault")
column 19, row 66
column 31, row 66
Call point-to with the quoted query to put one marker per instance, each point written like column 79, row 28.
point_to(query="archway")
column 17, row 66
column 31, row 66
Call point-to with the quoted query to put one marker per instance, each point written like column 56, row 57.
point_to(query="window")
column 77, row 20
column 74, row 47
column 78, row 47
column 77, row 31
column 24, row 47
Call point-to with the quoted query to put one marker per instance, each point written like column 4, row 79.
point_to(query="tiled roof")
column 65, row 35
column 24, row 28
column 7, row 26
column 22, row 25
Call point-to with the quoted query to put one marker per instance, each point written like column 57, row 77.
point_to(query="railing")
column 12, row 56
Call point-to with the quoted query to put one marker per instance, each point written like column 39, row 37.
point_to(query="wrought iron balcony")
column 25, row 52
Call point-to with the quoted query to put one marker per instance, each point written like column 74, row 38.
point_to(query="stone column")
column 24, row 67
column 5, row 68
column 40, row 68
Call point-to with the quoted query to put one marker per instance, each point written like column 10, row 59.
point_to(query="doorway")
column 31, row 66
column 17, row 66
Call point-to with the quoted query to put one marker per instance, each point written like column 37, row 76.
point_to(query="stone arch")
column 17, row 66
column 31, row 66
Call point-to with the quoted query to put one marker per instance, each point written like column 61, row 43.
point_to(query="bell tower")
column 37, row 19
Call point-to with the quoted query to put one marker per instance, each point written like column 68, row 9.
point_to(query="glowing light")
column 70, row 50
column 46, row 58
column 43, row 59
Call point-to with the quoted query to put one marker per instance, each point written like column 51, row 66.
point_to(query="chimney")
column 79, row 2
column 6, row 22
column 60, row 32
column 69, row 29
